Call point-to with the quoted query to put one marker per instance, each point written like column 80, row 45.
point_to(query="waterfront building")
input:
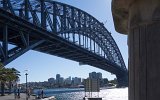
column 99, row 75
column 76, row 81
column 61, row 81
column 51, row 80
column 58, row 78
column 68, row 81
column 93, row 75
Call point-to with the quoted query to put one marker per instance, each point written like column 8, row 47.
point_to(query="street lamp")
column 26, row 85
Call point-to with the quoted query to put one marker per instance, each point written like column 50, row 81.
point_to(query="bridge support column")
column 141, row 20
column 144, row 62
column 122, row 80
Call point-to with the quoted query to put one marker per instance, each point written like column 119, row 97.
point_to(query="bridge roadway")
column 22, row 35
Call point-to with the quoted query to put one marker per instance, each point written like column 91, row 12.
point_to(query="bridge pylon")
column 122, row 79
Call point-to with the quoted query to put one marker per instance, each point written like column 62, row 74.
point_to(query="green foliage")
column 7, row 75
column 1, row 65
column 113, row 81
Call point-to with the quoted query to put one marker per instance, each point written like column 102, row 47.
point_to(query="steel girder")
column 9, row 54
column 67, row 22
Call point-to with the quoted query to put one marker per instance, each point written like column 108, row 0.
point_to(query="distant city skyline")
column 71, row 82
column 40, row 66
column 58, row 76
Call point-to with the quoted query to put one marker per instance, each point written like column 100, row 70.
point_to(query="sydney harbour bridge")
column 58, row 29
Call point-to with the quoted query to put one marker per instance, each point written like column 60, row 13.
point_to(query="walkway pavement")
column 11, row 97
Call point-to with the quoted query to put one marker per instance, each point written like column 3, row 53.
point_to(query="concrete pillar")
column 140, row 19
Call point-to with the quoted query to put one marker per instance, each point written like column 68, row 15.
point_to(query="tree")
column 12, row 75
column 113, row 82
column 8, row 75
column 2, row 80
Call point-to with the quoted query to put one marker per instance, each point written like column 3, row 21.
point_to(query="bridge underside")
column 52, row 45
column 23, row 36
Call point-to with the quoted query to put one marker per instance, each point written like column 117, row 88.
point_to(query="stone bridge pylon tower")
column 140, row 19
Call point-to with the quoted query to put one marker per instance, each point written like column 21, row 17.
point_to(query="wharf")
column 23, row 97
column 11, row 97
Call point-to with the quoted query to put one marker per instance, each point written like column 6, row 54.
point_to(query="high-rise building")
column 58, row 78
column 93, row 75
column 68, row 81
column 76, row 81
column 51, row 80
column 61, row 81
column 99, row 75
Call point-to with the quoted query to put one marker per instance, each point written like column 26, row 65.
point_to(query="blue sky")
column 42, row 66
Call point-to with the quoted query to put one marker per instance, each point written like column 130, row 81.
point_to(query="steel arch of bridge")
column 65, row 22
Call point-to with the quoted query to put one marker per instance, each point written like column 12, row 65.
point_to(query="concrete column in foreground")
column 140, row 19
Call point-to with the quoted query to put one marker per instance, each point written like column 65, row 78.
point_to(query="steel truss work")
column 57, row 29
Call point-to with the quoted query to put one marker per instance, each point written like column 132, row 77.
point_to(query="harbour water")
column 78, row 94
